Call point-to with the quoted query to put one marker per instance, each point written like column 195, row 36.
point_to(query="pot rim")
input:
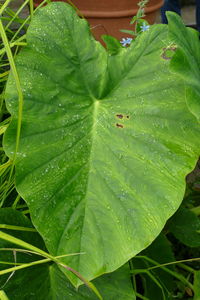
column 120, row 13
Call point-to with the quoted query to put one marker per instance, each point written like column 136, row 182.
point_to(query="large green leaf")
column 47, row 282
column 106, row 140
column 186, row 62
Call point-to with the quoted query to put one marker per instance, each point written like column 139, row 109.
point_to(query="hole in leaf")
column 168, row 52
column 119, row 116
column 119, row 125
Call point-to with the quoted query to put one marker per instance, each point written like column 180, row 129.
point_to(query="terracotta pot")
column 109, row 16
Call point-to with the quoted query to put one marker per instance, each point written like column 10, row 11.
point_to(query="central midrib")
column 94, row 116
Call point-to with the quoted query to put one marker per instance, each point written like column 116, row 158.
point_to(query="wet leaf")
column 95, row 183
column 186, row 62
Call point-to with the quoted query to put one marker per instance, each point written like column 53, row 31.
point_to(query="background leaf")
column 185, row 226
column 160, row 251
column 106, row 140
column 197, row 285
column 112, row 44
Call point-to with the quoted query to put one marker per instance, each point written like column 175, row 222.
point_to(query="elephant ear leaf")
column 186, row 61
column 106, row 140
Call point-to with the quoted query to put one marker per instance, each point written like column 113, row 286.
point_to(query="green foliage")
column 157, row 283
column 138, row 20
column 161, row 252
column 185, row 226
column 112, row 44
column 106, row 140
column 197, row 285
column 186, row 62
column 43, row 282
column 80, row 188
column 46, row 281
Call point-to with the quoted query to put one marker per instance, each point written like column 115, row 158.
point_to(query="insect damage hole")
column 119, row 116
column 119, row 125
column 168, row 52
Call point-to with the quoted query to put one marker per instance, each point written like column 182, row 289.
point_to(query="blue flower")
column 126, row 41
column 144, row 27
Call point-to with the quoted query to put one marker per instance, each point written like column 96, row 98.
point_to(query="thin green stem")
column 31, row 8
column 14, row 240
column 6, row 165
column 162, row 266
column 4, row 6
column 173, row 262
column 27, row 265
column 16, row 201
column 141, row 296
column 18, row 228
column 16, row 14
column 186, row 267
column 76, row 8
column 20, row 99
column 28, row 246
column 25, row 212
column 10, row 263
column 36, row 253
column 21, row 206
column 132, row 276
column 11, row 45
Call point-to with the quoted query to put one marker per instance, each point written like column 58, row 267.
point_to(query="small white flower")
column 126, row 41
